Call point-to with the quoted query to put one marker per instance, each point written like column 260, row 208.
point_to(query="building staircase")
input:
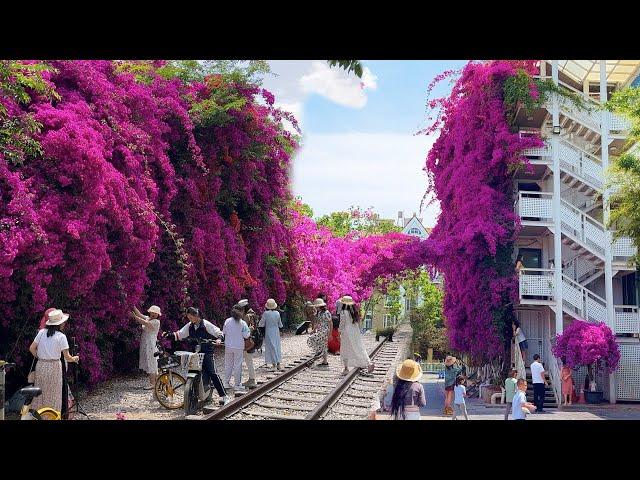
column 549, row 395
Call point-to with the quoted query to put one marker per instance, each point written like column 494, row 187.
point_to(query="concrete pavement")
column 477, row 409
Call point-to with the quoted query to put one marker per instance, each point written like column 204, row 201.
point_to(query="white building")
column 413, row 226
column 572, row 268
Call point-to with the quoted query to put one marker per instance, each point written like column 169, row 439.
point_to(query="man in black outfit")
column 201, row 328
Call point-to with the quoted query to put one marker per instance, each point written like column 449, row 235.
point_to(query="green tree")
column 19, row 81
column 349, row 65
column 338, row 222
column 302, row 208
column 427, row 319
column 624, row 173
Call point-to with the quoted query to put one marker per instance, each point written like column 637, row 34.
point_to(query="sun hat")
column 409, row 371
column 155, row 309
column 347, row 300
column 243, row 303
column 271, row 304
column 319, row 303
column 56, row 317
column 449, row 360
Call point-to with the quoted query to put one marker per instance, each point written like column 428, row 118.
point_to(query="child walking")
column 460, row 392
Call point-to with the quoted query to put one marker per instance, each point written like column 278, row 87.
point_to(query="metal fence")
column 432, row 367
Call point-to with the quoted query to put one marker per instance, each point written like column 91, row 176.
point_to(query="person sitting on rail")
column 198, row 327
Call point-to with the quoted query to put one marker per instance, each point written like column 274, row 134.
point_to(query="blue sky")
column 358, row 145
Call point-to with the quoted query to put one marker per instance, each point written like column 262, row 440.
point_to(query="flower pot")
column 593, row 397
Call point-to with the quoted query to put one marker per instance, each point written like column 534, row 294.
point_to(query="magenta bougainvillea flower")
column 470, row 168
column 587, row 343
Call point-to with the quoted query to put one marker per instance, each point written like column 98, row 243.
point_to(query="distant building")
column 380, row 316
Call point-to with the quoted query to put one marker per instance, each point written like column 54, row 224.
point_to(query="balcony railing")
column 627, row 319
column 536, row 206
column 537, row 282
column 622, row 249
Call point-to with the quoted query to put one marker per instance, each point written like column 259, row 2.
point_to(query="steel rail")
column 333, row 396
column 251, row 396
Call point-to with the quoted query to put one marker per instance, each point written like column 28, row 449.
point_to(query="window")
column 415, row 231
column 367, row 323
column 388, row 301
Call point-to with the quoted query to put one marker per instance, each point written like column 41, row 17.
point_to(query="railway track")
column 304, row 391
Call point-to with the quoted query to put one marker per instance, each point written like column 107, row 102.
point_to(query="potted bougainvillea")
column 590, row 344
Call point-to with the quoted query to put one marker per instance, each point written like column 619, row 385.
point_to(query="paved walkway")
column 477, row 409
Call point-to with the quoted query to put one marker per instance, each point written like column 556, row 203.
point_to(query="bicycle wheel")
column 191, row 396
column 170, row 389
column 47, row 413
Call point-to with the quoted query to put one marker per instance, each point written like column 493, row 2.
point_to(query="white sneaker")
column 226, row 399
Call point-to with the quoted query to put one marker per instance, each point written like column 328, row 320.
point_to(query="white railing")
column 578, row 268
column 584, row 227
column 623, row 248
column 554, row 372
column 581, row 302
column 536, row 205
column 590, row 117
column 627, row 319
column 516, row 358
column 581, row 163
column 537, row 282
column 617, row 123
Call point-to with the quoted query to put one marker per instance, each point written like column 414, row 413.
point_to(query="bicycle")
column 196, row 392
column 170, row 386
column 20, row 403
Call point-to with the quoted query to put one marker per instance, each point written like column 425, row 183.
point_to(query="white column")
column 557, row 233
column 608, row 271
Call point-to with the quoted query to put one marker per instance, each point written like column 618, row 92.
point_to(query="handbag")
column 248, row 344
column 31, row 377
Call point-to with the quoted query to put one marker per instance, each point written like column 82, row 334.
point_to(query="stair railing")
column 554, row 373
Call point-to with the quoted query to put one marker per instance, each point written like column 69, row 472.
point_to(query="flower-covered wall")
column 141, row 188
column 470, row 168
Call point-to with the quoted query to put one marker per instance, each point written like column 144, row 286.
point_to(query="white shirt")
column 519, row 399
column 208, row 326
column 50, row 348
column 536, row 372
column 235, row 331
column 459, row 391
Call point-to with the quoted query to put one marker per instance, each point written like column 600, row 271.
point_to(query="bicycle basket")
column 170, row 361
column 195, row 361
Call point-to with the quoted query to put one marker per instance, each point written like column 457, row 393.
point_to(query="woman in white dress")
column 352, row 349
column 150, row 329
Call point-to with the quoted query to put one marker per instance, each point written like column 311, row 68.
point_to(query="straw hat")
column 450, row 360
column 347, row 300
column 319, row 303
column 155, row 309
column 243, row 303
column 57, row 317
column 409, row 371
column 271, row 304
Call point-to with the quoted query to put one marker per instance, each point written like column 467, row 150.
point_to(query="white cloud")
column 334, row 171
column 337, row 85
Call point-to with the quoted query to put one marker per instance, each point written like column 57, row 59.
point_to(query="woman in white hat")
column 272, row 323
column 319, row 340
column 408, row 395
column 352, row 350
column 150, row 328
column 48, row 347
